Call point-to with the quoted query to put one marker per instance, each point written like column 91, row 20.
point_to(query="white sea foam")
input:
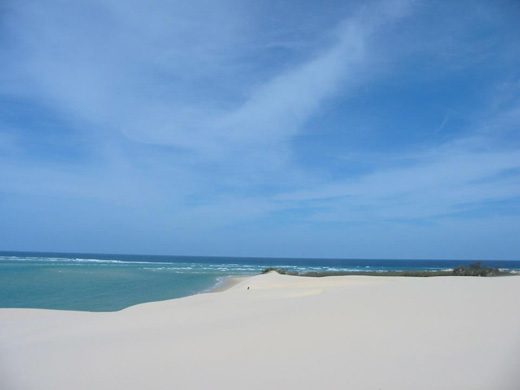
column 74, row 260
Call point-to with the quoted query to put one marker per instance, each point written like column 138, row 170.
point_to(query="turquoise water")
column 94, row 282
column 102, row 285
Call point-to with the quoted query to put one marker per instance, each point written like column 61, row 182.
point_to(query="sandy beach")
column 284, row 332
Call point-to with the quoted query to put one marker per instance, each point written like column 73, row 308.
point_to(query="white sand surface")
column 349, row 332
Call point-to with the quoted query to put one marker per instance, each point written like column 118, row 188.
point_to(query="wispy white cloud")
column 169, row 74
column 151, row 71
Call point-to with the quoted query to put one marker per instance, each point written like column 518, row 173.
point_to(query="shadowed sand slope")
column 284, row 332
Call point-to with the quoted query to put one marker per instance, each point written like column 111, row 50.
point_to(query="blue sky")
column 352, row 129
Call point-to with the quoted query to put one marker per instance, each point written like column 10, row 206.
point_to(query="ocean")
column 110, row 282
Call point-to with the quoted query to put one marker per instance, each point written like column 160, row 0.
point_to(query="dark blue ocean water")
column 100, row 282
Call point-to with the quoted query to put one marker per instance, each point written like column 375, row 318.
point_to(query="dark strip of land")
column 474, row 269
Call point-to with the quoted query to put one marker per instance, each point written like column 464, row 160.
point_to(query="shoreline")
column 102, row 283
column 225, row 283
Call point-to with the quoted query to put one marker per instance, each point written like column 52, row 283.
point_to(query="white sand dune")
column 350, row 332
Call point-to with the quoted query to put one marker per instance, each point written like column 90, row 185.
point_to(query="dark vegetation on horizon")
column 474, row 269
